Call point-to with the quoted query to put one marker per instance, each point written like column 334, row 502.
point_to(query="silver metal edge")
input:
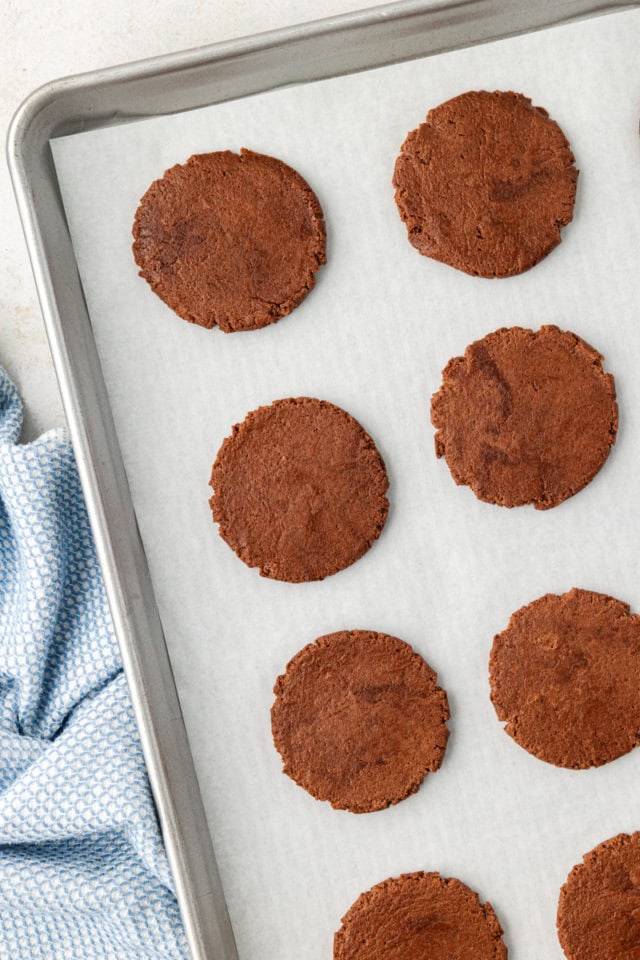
column 187, row 80
column 119, row 547
column 182, row 81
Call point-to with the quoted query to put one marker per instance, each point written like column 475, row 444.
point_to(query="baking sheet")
column 448, row 570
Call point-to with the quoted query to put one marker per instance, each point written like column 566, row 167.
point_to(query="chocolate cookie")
column 525, row 417
column 358, row 720
column 486, row 183
column 565, row 676
column 419, row 916
column 299, row 490
column 599, row 907
column 232, row 240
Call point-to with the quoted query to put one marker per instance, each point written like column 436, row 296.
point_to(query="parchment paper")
column 448, row 570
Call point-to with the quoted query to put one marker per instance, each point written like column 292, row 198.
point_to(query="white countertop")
column 46, row 41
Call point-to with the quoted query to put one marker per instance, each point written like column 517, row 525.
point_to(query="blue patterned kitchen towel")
column 83, row 873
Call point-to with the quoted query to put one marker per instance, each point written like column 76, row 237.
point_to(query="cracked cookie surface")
column 418, row 916
column 299, row 490
column 230, row 240
column 486, row 184
column 565, row 677
column 525, row 417
column 359, row 720
column 599, row 905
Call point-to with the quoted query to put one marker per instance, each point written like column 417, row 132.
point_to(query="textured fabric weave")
column 83, row 872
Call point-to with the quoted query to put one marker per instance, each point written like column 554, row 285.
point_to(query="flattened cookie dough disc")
column 419, row 916
column 359, row 720
column 486, row 184
column 565, row 676
column 599, row 907
column 299, row 490
column 525, row 417
column 232, row 240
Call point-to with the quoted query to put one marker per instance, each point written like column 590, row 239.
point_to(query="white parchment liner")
column 448, row 570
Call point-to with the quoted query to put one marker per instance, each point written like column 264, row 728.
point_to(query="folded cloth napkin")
column 83, row 872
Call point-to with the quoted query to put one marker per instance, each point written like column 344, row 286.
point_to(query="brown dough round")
column 565, row 676
column 486, row 183
column 525, row 417
column 232, row 240
column 419, row 916
column 359, row 720
column 299, row 490
column 599, row 907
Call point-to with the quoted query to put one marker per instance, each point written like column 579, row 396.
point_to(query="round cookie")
column 299, row 490
column 359, row 720
column 565, row 677
column 525, row 417
column 599, row 906
column 230, row 240
column 419, row 916
column 486, row 184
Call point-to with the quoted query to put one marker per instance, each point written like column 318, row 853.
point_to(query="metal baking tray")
column 180, row 82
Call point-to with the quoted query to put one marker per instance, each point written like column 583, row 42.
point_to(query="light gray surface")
column 448, row 570
column 43, row 41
